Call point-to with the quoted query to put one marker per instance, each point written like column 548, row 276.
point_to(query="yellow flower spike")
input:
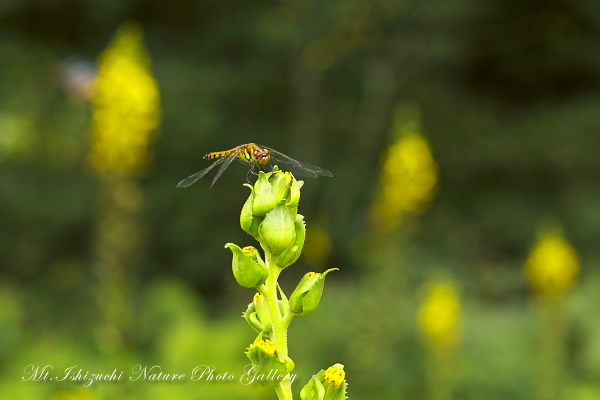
column 317, row 246
column 409, row 174
column 439, row 316
column 552, row 266
column 126, row 105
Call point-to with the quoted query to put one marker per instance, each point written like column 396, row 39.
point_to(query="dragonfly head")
column 261, row 156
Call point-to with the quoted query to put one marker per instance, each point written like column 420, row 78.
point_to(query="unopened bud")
column 248, row 268
column 278, row 230
column 290, row 255
column 264, row 199
column 305, row 299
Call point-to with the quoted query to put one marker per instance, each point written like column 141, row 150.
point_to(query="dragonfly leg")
column 250, row 171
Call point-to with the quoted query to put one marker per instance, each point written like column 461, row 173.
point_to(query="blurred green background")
column 463, row 139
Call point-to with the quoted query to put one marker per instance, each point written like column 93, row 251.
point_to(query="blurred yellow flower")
column 439, row 315
column 552, row 265
column 317, row 245
column 408, row 179
column 126, row 105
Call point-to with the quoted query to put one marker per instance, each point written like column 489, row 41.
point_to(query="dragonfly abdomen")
column 216, row 154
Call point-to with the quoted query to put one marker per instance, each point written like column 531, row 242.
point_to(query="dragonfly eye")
column 258, row 154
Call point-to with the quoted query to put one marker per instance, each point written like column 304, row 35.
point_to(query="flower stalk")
column 270, row 215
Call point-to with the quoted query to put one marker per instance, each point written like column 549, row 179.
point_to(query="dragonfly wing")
column 226, row 163
column 299, row 169
column 193, row 178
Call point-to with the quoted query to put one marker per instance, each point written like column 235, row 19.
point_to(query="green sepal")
column 252, row 319
column 291, row 255
column 333, row 393
column 305, row 299
column 313, row 390
column 292, row 204
column 264, row 199
column 278, row 230
column 248, row 268
column 284, row 304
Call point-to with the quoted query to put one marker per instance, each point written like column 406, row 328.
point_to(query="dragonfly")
column 259, row 157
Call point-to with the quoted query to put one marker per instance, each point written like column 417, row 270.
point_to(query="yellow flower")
column 335, row 375
column 126, row 105
column 408, row 178
column 552, row 265
column 439, row 316
column 268, row 346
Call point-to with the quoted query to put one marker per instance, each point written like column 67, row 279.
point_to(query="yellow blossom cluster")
column 439, row 318
column 126, row 105
column 552, row 265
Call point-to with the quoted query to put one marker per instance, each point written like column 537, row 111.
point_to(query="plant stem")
column 279, row 329
column 284, row 390
column 278, row 325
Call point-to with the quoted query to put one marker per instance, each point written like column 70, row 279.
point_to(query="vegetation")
column 463, row 215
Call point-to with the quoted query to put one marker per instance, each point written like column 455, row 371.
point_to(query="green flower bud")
column 248, row 268
column 278, row 230
column 262, row 310
column 326, row 385
column 290, row 255
column 257, row 314
column 269, row 361
column 264, row 199
column 305, row 299
column 248, row 221
column 334, row 383
column 281, row 182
